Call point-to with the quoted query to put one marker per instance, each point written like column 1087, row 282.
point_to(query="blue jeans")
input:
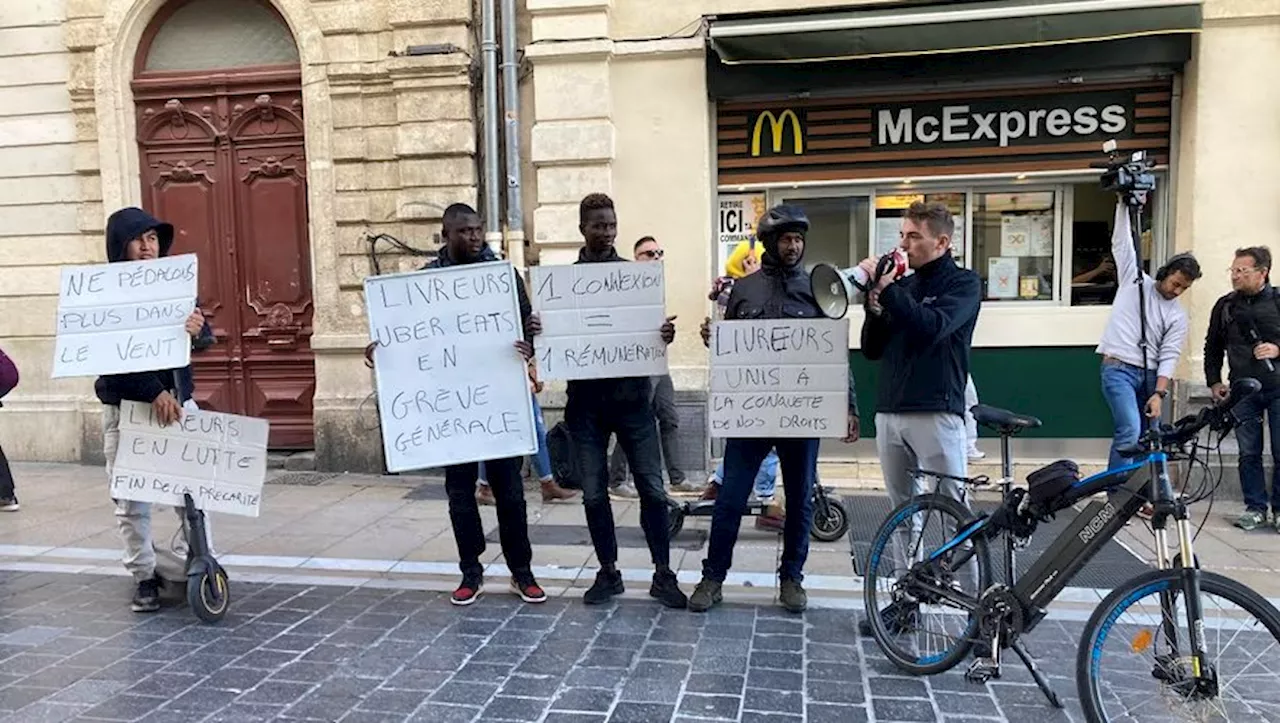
column 799, row 461
column 1253, row 480
column 766, row 478
column 1122, row 386
column 540, row 460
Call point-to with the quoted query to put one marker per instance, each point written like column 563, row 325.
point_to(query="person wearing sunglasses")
column 664, row 408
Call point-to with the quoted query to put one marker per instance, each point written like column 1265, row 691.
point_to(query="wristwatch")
column 1162, row 393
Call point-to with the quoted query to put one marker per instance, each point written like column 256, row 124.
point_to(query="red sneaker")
column 468, row 592
column 529, row 591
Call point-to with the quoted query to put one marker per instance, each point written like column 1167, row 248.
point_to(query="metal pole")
column 511, row 109
column 489, row 47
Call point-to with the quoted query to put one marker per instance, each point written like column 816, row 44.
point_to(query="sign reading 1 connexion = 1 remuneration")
column 600, row 321
column 780, row 378
column 452, row 388
column 125, row 317
column 219, row 459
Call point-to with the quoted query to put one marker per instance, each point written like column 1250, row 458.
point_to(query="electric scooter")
column 208, row 590
column 830, row 516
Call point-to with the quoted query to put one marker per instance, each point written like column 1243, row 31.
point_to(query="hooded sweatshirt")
column 122, row 227
column 778, row 291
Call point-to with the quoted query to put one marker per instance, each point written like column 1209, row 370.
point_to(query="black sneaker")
column 666, row 590
column 706, row 596
column 606, row 586
column 898, row 617
column 147, row 599
column 468, row 591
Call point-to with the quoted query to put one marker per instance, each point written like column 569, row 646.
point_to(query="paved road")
column 71, row 650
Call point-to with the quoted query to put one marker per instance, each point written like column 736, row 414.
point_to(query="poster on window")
column 1002, row 277
column 1041, row 229
column 888, row 235
column 1015, row 236
column 738, row 215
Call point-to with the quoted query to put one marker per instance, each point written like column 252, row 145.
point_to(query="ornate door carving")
column 223, row 159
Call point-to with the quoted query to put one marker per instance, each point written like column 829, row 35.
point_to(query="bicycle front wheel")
column 921, row 587
column 1129, row 670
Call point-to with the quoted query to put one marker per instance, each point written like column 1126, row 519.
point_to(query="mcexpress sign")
column 980, row 124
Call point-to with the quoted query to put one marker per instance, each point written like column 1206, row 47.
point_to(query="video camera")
column 1130, row 177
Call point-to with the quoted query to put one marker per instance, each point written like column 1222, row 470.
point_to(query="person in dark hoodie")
column 464, row 244
column 920, row 328
column 135, row 235
column 598, row 408
column 779, row 290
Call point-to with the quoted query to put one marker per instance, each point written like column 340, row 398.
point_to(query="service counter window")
column 837, row 228
column 1093, row 270
column 890, row 208
column 1015, row 244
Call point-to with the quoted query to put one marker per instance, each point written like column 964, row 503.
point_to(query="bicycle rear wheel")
column 919, row 630
column 1128, row 670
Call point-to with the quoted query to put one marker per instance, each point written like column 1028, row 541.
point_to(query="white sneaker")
column 976, row 454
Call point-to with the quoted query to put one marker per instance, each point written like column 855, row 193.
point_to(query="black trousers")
column 464, row 513
column 637, row 433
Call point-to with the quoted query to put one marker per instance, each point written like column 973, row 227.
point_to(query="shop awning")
column 944, row 27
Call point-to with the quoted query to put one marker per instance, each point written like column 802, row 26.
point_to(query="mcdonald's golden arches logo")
column 777, row 125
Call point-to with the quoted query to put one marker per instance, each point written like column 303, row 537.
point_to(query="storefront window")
column 1093, row 271
column 1014, row 244
column 890, row 208
column 837, row 229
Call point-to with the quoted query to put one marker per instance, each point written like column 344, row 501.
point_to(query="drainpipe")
column 489, row 47
column 511, row 107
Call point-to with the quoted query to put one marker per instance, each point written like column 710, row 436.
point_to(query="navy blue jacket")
column 923, row 338
column 122, row 227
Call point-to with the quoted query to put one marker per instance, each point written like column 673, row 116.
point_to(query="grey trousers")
column 133, row 519
column 930, row 441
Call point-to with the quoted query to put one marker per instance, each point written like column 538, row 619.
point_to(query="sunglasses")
column 653, row 254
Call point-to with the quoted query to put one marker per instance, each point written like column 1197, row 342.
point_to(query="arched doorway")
column 217, row 84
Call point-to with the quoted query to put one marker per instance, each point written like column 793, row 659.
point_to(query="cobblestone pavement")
column 71, row 650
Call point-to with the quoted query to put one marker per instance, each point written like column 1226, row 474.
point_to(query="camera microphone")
column 1250, row 328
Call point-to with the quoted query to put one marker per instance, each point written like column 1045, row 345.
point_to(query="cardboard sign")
column 219, row 459
column 125, row 317
column 600, row 321
column 780, row 378
column 452, row 388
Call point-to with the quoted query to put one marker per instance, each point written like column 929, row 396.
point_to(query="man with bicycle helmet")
column 779, row 290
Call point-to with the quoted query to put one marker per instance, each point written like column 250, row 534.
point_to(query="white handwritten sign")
column 219, row 459
column 125, row 317
column 780, row 378
column 600, row 321
column 451, row 386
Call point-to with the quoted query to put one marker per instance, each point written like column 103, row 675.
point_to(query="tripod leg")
column 1041, row 681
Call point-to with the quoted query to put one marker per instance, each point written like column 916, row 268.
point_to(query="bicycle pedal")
column 982, row 670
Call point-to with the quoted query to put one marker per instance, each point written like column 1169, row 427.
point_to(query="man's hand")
column 1154, row 405
column 533, row 325
column 368, row 354
column 1266, row 350
column 1219, row 392
column 195, row 323
column 873, row 302
column 706, row 332
column 868, row 265
column 525, row 349
column 166, row 408
column 855, row 430
column 669, row 330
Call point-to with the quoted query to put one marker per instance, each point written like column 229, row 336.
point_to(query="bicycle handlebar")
column 1220, row 417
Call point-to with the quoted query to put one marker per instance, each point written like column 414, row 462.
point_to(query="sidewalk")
column 391, row 531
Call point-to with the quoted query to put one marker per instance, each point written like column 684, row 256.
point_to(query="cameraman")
column 1245, row 326
column 1131, row 391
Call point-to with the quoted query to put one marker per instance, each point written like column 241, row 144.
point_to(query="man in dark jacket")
column 464, row 244
column 598, row 408
column 1245, row 327
column 134, row 235
column 920, row 328
column 780, row 290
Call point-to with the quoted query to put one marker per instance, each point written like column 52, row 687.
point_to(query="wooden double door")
column 223, row 159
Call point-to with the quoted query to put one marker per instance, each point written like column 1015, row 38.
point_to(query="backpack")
column 8, row 374
column 564, row 457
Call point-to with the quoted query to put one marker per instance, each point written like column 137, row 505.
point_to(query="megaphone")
column 834, row 288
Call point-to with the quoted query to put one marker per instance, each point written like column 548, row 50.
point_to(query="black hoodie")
column 122, row 227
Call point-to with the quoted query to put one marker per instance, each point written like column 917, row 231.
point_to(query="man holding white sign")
column 453, row 392
column 135, row 235
column 600, row 403
column 777, row 386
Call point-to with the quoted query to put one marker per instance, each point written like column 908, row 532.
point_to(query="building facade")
column 281, row 136
column 277, row 137
column 698, row 115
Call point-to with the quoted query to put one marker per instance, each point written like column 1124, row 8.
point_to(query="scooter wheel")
column 209, row 595
column 830, row 521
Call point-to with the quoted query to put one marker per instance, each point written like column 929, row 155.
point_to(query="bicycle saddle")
column 1003, row 420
